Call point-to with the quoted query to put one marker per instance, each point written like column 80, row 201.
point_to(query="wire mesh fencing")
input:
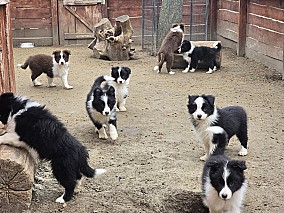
column 195, row 18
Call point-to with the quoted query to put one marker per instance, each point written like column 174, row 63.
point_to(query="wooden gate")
column 76, row 19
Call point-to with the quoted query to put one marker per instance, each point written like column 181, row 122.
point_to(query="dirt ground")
column 154, row 165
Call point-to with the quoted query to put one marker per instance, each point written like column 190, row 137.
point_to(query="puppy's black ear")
column 191, row 98
column 238, row 164
column 213, row 165
column 55, row 52
column 127, row 69
column 97, row 92
column 182, row 27
column 210, row 99
column 67, row 52
column 111, row 91
column 6, row 98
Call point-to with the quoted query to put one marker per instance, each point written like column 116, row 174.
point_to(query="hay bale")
column 16, row 178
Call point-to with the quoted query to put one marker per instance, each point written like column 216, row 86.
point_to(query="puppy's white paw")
column 102, row 133
column 243, row 151
column 204, row 158
column 113, row 132
column 52, row 85
column 171, row 73
column 60, row 199
column 68, row 87
column 210, row 71
column 185, row 70
column 122, row 108
column 214, row 68
column 192, row 70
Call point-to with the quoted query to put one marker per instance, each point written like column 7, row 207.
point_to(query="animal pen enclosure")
column 195, row 16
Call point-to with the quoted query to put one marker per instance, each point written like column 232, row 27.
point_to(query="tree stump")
column 180, row 63
column 16, row 178
column 113, row 43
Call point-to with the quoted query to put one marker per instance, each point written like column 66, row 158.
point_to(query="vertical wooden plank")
column 213, row 7
column 54, row 22
column 242, row 23
column 61, row 22
column 8, row 83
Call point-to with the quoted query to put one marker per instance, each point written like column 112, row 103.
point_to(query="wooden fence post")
column 213, row 10
column 242, row 24
column 7, row 74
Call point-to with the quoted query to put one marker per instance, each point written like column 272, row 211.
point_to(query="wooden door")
column 76, row 19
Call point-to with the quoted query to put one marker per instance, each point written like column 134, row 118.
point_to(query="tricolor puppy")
column 169, row 46
column 29, row 125
column 223, row 184
column 121, row 80
column 56, row 65
column 192, row 54
column 101, row 108
column 203, row 113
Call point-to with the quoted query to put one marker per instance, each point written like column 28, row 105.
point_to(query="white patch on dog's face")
column 199, row 114
column 119, row 79
column 61, row 60
column 176, row 29
column 226, row 192
column 106, row 110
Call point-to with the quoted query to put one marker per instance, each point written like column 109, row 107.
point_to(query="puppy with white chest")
column 121, row 80
column 223, row 184
column 203, row 113
column 223, row 180
column 169, row 46
column 192, row 54
column 56, row 65
column 100, row 106
column 30, row 126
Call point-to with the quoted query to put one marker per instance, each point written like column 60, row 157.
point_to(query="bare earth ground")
column 154, row 165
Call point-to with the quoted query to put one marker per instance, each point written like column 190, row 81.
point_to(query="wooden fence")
column 254, row 28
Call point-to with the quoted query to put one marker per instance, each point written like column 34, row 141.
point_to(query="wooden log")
column 17, row 168
column 113, row 43
column 180, row 63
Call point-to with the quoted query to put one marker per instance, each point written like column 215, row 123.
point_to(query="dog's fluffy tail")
column 161, row 61
column 101, row 79
column 90, row 172
column 217, row 45
column 219, row 140
column 26, row 64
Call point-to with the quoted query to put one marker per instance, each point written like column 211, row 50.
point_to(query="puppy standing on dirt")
column 121, row 80
column 169, row 46
column 53, row 66
column 192, row 54
column 100, row 106
column 30, row 126
column 223, row 181
column 203, row 114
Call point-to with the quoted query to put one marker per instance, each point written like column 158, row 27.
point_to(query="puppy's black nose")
column 120, row 82
column 199, row 116
column 62, row 63
column 106, row 113
column 224, row 196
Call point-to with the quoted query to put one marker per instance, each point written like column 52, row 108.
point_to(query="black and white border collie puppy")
column 53, row 66
column 101, row 108
column 121, row 80
column 203, row 113
column 29, row 125
column 223, row 181
column 192, row 54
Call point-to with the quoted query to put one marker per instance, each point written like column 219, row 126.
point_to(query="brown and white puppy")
column 56, row 65
column 169, row 46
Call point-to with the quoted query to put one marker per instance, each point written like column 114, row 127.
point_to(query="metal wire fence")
column 195, row 17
